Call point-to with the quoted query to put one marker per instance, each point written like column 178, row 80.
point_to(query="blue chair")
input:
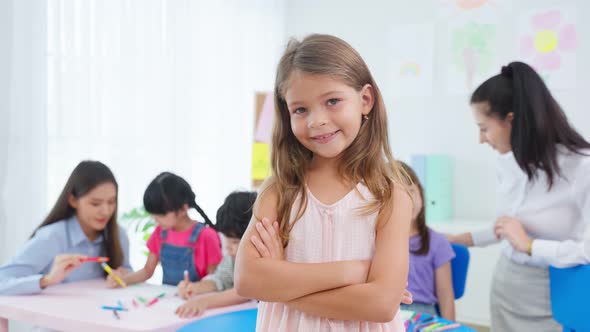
column 459, row 267
column 570, row 291
column 238, row 321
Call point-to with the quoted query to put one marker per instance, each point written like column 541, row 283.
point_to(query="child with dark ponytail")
column 178, row 242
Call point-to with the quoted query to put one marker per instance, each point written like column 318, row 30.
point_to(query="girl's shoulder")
column 208, row 231
column 437, row 238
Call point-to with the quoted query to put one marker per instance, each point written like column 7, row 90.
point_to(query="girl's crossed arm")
column 276, row 280
column 380, row 295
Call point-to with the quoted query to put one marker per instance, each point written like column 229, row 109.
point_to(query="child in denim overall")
column 178, row 242
column 232, row 220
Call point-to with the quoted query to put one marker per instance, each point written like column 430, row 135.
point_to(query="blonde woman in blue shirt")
column 82, row 223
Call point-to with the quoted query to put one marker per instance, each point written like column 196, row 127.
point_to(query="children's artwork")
column 411, row 60
column 547, row 41
column 447, row 8
column 260, row 161
column 472, row 53
column 265, row 121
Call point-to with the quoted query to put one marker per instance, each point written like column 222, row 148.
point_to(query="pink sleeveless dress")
column 327, row 233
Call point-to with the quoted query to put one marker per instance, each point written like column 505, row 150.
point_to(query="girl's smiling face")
column 325, row 113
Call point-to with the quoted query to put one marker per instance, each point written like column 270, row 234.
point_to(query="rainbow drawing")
column 409, row 69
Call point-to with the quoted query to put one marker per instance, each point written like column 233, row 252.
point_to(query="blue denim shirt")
column 22, row 273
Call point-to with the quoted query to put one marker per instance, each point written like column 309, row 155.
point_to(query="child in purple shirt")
column 429, row 277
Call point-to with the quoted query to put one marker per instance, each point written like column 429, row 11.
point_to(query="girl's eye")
column 299, row 110
column 333, row 101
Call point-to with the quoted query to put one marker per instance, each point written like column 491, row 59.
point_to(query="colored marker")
column 106, row 307
column 417, row 317
column 424, row 327
column 94, row 259
column 120, row 304
column 116, row 314
column 434, row 326
column 142, row 300
column 107, row 268
column 448, row 327
column 152, row 302
column 135, row 305
column 161, row 295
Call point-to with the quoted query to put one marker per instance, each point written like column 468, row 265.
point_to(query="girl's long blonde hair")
column 368, row 159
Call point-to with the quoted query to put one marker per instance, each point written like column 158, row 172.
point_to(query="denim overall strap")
column 196, row 231
column 177, row 259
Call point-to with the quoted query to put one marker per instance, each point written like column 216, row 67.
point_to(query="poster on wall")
column 547, row 41
column 451, row 8
column 471, row 53
column 410, row 60
column 263, row 124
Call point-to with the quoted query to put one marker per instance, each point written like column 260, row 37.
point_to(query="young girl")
column 430, row 279
column 83, row 222
column 180, row 243
column 342, row 212
column 543, row 195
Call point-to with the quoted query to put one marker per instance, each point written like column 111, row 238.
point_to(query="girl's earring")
column 366, row 117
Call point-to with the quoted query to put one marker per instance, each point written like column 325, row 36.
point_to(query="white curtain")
column 23, row 121
column 147, row 86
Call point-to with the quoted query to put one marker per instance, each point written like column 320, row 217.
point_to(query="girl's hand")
column 407, row 296
column 268, row 243
column 192, row 308
column 184, row 289
column 121, row 272
column 513, row 231
column 62, row 266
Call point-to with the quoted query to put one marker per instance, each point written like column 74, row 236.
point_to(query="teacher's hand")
column 62, row 266
column 513, row 231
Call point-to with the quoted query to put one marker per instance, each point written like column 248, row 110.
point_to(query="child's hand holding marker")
column 184, row 287
column 114, row 279
column 62, row 266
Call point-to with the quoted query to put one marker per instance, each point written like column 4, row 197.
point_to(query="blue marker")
column 106, row 307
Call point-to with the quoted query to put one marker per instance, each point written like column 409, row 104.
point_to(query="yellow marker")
column 107, row 268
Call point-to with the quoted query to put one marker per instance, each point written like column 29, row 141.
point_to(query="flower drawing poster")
column 547, row 40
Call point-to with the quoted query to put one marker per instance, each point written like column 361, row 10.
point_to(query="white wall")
column 439, row 123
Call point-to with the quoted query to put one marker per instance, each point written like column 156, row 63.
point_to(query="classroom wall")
column 439, row 122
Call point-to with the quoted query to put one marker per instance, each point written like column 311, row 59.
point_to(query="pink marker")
column 152, row 302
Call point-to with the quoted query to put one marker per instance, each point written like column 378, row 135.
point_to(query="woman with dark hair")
column 83, row 222
column 187, row 249
column 543, row 195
